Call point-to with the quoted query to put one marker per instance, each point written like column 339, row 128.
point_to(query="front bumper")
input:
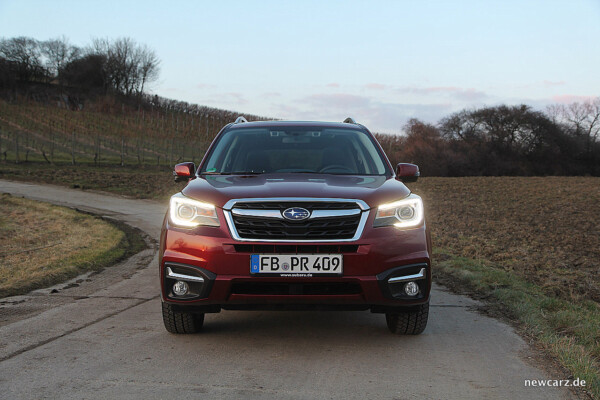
column 370, row 262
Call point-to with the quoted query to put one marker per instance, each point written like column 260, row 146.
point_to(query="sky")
column 380, row 62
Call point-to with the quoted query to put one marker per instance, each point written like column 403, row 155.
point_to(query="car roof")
column 307, row 124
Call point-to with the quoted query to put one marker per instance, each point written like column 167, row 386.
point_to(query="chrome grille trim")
column 333, row 213
column 258, row 213
column 229, row 205
column 228, row 210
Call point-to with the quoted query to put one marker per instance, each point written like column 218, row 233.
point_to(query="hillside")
column 113, row 130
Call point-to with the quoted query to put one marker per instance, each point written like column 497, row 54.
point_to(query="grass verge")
column 567, row 330
column 42, row 244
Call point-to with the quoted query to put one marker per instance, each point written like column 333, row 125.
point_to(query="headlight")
column 405, row 213
column 189, row 213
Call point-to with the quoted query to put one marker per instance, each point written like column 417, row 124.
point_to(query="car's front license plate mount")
column 299, row 265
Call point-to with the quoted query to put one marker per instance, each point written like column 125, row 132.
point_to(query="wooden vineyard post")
column 16, row 147
column 143, row 132
column 206, row 128
column 52, row 147
column 73, row 147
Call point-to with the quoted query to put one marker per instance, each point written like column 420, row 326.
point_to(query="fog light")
column 411, row 288
column 180, row 288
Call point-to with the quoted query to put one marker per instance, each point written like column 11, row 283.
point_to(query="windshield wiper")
column 233, row 173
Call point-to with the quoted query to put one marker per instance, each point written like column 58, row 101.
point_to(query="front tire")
column 410, row 322
column 181, row 322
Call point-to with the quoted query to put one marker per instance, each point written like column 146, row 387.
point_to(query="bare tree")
column 25, row 53
column 129, row 66
column 580, row 120
column 121, row 58
column 148, row 67
column 58, row 53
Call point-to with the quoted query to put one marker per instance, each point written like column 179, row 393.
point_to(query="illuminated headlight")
column 189, row 213
column 405, row 213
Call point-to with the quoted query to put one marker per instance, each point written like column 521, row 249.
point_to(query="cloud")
column 391, row 117
column 552, row 83
column 268, row 95
column 379, row 116
column 237, row 97
column 465, row 94
column 333, row 85
column 546, row 84
column 204, row 86
column 375, row 86
column 338, row 100
column 571, row 98
column 219, row 99
column 470, row 94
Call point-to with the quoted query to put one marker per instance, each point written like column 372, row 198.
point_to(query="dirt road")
column 101, row 337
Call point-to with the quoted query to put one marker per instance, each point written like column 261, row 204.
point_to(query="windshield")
column 295, row 149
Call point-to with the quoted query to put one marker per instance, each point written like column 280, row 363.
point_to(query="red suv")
column 295, row 216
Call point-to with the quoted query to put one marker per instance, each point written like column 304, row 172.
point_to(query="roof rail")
column 240, row 120
column 349, row 120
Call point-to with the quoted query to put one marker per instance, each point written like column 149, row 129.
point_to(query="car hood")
column 219, row 189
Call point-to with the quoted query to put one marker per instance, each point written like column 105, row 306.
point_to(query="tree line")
column 120, row 66
column 503, row 140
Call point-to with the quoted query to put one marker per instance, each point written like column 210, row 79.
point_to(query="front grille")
column 309, row 205
column 273, row 288
column 315, row 229
column 295, row 249
column 270, row 228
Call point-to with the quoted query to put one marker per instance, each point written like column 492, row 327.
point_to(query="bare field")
column 530, row 246
column 544, row 229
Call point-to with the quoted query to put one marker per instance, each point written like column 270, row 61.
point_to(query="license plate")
column 302, row 265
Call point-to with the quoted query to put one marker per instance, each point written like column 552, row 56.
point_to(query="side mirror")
column 407, row 172
column 184, row 172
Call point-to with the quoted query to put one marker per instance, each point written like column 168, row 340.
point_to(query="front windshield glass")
column 295, row 149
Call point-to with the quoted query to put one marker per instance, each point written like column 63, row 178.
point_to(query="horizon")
column 314, row 61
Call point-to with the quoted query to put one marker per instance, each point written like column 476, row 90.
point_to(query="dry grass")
column 41, row 244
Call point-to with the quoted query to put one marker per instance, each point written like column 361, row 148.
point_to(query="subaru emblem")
column 296, row 213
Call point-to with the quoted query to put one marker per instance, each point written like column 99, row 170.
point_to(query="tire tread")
column 410, row 322
column 181, row 322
